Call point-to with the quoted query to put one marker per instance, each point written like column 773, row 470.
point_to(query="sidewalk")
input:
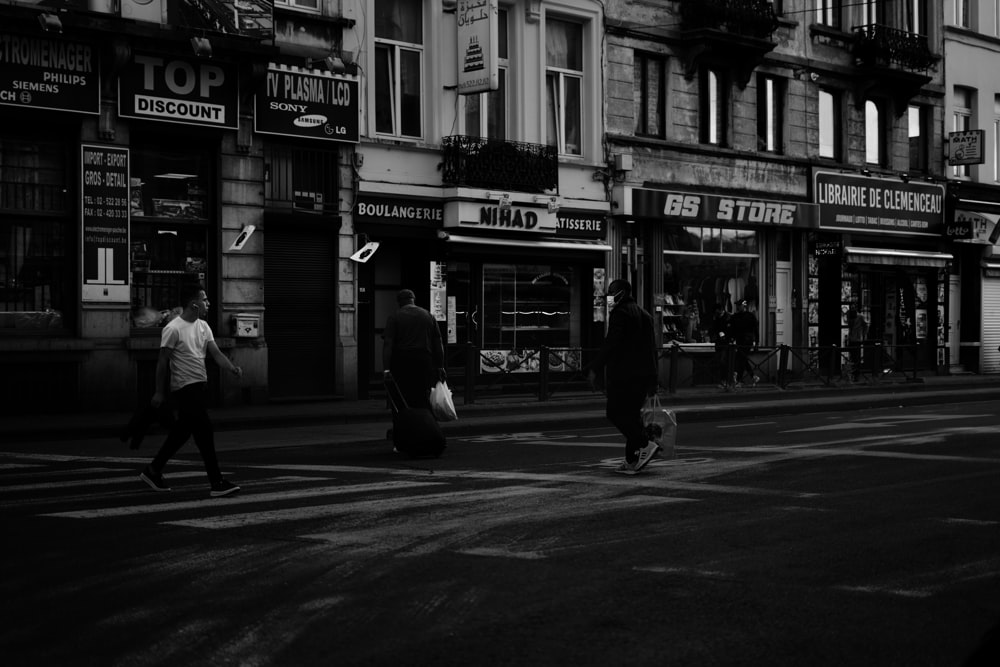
column 521, row 412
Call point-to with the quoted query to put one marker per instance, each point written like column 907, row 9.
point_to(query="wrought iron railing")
column 877, row 44
column 749, row 18
column 506, row 165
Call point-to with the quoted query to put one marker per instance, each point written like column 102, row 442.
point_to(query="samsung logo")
column 311, row 120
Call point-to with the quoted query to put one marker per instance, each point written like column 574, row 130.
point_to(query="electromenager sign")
column 42, row 73
column 866, row 204
column 308, row 105
column 179, row 90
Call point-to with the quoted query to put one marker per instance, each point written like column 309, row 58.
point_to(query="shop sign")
column 104, row 226
column 41, row 73
column 389, row 210
column 716, row 210
column 970, row 227
column 511, row 218
column 827, row 249
column 966, row 147
column 572, row 224
column 308, row 105
column 179, row 90
column 860, row 203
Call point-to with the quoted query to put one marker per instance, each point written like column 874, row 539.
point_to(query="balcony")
column 475, row 162
column 735, row 34
column 891, row 60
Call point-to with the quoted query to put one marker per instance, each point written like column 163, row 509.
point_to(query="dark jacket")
column 743, row 328
column 629, row 353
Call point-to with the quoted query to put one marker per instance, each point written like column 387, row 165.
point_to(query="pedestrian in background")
column 743, row 332
column 719, row 334
column 857, row 333
column 412, row 351
column 184, row 343
column 627, row 359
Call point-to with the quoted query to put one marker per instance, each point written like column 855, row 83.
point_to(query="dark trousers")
column 192, row 419
column 743, row 364
column 854, row 354
column 414, row 373
column 624, row 411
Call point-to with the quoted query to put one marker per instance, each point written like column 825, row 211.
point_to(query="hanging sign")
column 966, row 147
column 478, row 42
column 105, row 224
column 179, row 90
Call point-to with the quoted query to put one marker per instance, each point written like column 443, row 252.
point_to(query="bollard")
column 783, row 366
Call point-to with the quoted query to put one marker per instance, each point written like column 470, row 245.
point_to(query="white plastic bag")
column 441, row 403
column 661, row 426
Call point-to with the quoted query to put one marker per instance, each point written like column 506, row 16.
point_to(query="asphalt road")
column 846, row 538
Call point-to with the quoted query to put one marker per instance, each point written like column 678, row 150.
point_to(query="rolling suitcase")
column 415, row 431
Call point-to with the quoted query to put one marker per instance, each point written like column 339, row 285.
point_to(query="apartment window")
column 714, row 103
column 770, row 104
column 564, row 85
column 399, row 52
column 919, row 122
column 828, row 12
column 915, row 18
column 486, row 113
column 962, row 12
column 305, row 5
column 37, row 237
column 962, row 120
column 829, row 124
column 875, row 133
column 649, row 95
column 872, row 12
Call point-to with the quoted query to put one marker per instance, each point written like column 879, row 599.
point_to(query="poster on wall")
column 438, row 292
column 104, row 227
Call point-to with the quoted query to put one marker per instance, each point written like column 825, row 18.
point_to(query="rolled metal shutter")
column 989, row 353
column 300, row 310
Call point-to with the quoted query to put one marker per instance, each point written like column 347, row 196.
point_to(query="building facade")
column 786, row 153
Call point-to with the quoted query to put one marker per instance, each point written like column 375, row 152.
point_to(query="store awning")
column 889, row 257
column 540, row 244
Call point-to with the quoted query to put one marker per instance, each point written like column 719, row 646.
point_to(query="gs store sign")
column 711, row 209
column 179, row 90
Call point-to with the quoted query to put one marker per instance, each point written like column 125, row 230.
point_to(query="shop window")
column 36, row 238
column 702, row 267
column 486, row 113
column 564, row 85
column 399, row 53
column 527, row 305
column 170, row 211
column 302, row 180
column 650, row 95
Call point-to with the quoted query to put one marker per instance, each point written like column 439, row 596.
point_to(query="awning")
column 889, row 257
column 540, row 244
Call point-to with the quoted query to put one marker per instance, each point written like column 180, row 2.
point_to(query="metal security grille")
column 300, row 180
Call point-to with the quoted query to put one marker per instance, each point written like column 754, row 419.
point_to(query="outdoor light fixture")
column 201, row 47
column 49, row 22
column 552, row 203
column 501, row 198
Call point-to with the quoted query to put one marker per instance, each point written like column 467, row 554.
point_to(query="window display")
column 169, row 214
column 703, row 266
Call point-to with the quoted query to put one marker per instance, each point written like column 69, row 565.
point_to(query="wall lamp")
column 201, row 47
column 49, row 22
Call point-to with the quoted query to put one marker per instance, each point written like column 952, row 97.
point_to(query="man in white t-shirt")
column 184, row 344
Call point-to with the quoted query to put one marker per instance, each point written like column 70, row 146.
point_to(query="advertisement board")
column 179, row 90
column 882, row 205
column 104, row 225
column 42, row 73
column 308, row 105
column 478, row 46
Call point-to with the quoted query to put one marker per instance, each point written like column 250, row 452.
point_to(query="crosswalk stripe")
column 367, row 506
column 231, row 501
column 91, row 481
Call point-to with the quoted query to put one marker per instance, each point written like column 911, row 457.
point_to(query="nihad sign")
column 502, row 220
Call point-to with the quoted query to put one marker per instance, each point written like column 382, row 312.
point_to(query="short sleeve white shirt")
column 189, row 344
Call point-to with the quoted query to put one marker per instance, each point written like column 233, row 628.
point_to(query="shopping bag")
column 660, row 425
column 441, row 403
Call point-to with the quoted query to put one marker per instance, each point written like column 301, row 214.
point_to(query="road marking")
column 882, row 590
column 19, row 466
column 684, row 571
column 881, row 422
column 744, row 425
column 231, row 501
column 503, row 553
column 969, row 522
column 76, row 483
column 368, row 506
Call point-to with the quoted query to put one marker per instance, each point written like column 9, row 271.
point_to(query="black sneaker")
column 223, row 488
column 154, row 480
